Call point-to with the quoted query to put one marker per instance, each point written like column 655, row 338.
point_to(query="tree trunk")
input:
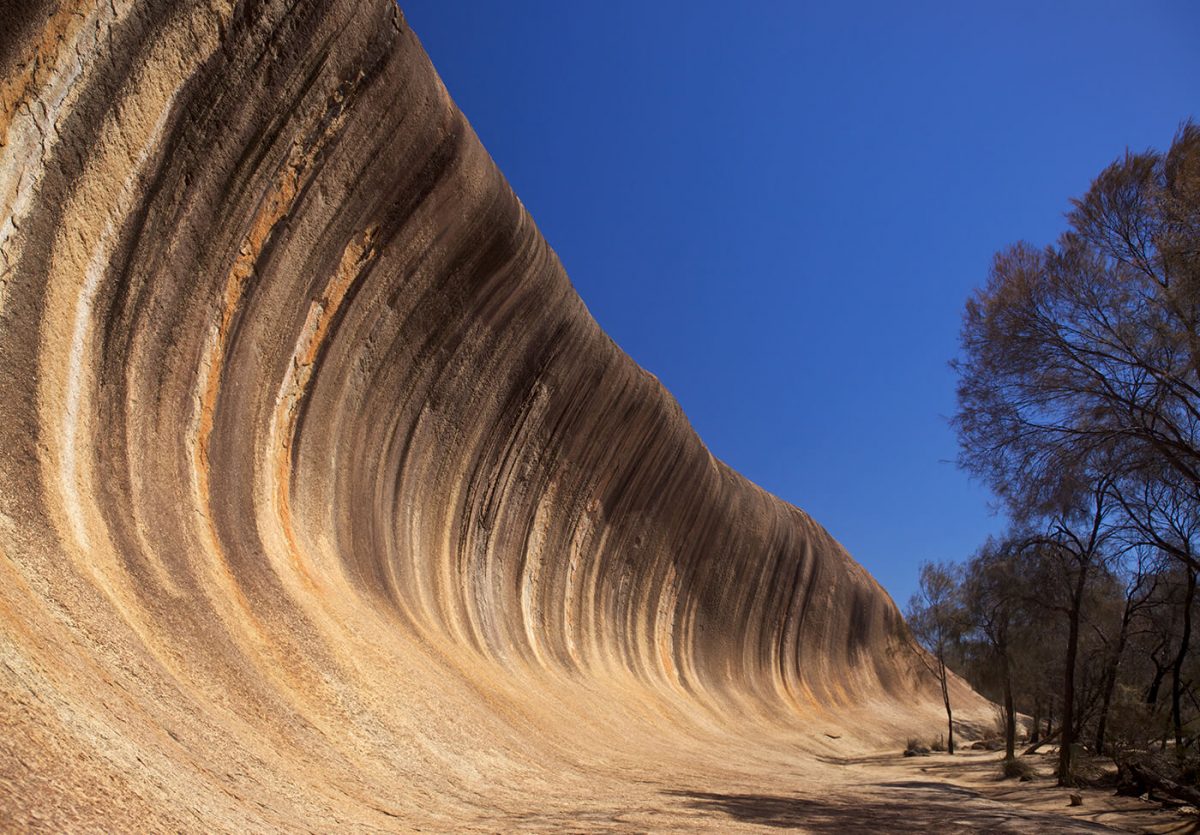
column 1177, row 667
column 1035, row 732
column 1010, row 714
column 1068, row 717
column 1110, row 682
column 1152, row 690
column 946, row 699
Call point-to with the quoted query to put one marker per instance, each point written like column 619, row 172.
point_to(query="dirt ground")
column 938, row 793
column 879, row 794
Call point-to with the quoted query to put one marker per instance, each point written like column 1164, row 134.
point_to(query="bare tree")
column 1164, row 515
column 1137, row 579
column 936, row 617
column 1079, row 387
column 995, row 597
column 1075, row 541
column 1091, row 347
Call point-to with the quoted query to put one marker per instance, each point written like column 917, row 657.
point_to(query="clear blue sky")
column 779, row 208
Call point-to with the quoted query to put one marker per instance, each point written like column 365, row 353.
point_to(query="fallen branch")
column 1148, row 778
column 1032, row 749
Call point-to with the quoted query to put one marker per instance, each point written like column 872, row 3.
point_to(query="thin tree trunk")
column 1156, row 684
column 1110, row 682
column 1177, row 667
column 946, row 699
column 1010, row 711
column 1035, row 732
column 1068, row 717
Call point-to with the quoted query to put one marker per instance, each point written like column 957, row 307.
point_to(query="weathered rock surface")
column 324, row 503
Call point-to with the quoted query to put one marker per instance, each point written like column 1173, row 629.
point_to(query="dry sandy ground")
column 879, row 794
column 894, row 794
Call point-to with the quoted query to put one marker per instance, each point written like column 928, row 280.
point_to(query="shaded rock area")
column 325, row 504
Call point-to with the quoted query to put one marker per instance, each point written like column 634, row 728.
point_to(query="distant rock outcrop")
column 324, row 503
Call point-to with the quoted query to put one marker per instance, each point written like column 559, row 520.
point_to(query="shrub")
column 1018, row 768
column 915, row 748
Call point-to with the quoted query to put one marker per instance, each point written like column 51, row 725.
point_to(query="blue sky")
column 779, row 208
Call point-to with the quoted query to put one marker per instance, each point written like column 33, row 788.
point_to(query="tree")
column 1079, row 386
column 935, row 615
column 1091, row 349
column 1137, row 581
column 1164, row 516
column 995, row 598
column 1075, row 541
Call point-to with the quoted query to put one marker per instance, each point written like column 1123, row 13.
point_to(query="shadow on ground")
column 906, row 806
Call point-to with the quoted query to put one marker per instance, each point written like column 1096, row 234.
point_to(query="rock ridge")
column 324, row 502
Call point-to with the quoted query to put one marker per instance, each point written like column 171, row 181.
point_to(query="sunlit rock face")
column 324, row 503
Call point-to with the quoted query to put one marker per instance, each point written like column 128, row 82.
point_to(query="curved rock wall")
column 323, row 500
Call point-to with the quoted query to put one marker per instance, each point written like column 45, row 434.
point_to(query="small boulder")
column 1076, row 799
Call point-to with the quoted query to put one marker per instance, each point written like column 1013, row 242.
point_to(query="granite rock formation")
column 324, row 503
